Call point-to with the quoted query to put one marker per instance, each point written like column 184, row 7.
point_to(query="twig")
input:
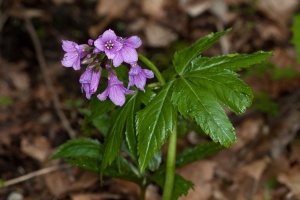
column 49, row 84
column 34, row 174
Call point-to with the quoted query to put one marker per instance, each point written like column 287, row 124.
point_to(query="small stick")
column 34, row 174
column 49, row 83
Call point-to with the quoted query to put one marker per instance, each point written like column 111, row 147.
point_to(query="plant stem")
column 143, row 192
column 153, row 68
column 170, row 168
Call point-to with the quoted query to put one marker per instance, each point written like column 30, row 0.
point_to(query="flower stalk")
column 170, row 168
column 157, row 73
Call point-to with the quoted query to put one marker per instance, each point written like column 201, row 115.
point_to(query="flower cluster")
column 111, row 51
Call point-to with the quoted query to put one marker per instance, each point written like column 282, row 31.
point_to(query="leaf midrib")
column 205, row 108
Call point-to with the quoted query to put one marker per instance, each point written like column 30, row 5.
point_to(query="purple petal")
column 116, row 95
column 86, row 76
column 129, row 55
column 110, row 53
column 148, row 73
column 129, row 91
column 69, row 59
column 68, row 46
column 76, row 64
column 99, row 44
column 133, row 42
column 140, row 81
column 94, row 81
column 109, row 35
column 103, row 95
column 118, row 59
column 96, row 50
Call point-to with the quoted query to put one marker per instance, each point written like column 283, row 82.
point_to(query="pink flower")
column 128, row 52
column 108, row 43
column 89, row 81
column 73, row 54
column 115, row 90
column 138, row 76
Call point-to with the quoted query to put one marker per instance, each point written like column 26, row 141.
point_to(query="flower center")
column 109, row 45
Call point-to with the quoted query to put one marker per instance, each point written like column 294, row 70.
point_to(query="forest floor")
column 36, row 92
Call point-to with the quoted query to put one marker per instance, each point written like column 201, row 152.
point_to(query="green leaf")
column 79, row 147
column 130, row 133
column 204, row 109
column 183, row 58
column 87, row 154
column 296, row 35
column 114, row 138
column 231, row 62
column 155, row 162
column 181, row 185
column 224, row 86
column 98, row 108
column 196, row 153
column 154, row 124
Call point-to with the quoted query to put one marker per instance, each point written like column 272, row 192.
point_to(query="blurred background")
column 41, row 101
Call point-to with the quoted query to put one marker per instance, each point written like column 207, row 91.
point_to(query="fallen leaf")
column 159, row 36
column 256, row 168
column 292, row 180
column 38, row 149
column 200, row 173
column 101, row 196
column 112, row 8
column 196, row 8
column 154, row 8
column 275, row 8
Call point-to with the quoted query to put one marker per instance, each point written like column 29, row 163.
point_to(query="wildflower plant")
column 136, row 119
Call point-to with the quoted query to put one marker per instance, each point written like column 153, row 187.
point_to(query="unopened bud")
column 87, row 60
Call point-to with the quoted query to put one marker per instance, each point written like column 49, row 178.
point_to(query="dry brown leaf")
column 275, row 8
column 38, row 149
column 196, row 8
column 295, row 148
column 247, row 131
column 292, row 180
column 112, row 8
column 159, row 36
column 126, row 187
column 20, row 80
column 57, row 183
column 154, row 8
column 200, row 173
column 86, row 180
column 152, row 193
column 256, row 168
column 101, row 196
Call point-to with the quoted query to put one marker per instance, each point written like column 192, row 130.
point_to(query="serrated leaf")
column 224, row 86
column 130, row 133
column 231, row 62
column 296, row 35
column 183, row 58
column 181, row 185
column 79, row 147
column 154, row 123
column 155, row 161
column 196, row 153
column 114, row 138
column 87, row 154
column 204, row 109
column 98, row 108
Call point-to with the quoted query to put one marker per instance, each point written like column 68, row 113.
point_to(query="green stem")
column 170, row 168
column 153, row 68
column 143, row 192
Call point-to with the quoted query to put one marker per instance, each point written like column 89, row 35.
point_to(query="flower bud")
column 87, row 60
